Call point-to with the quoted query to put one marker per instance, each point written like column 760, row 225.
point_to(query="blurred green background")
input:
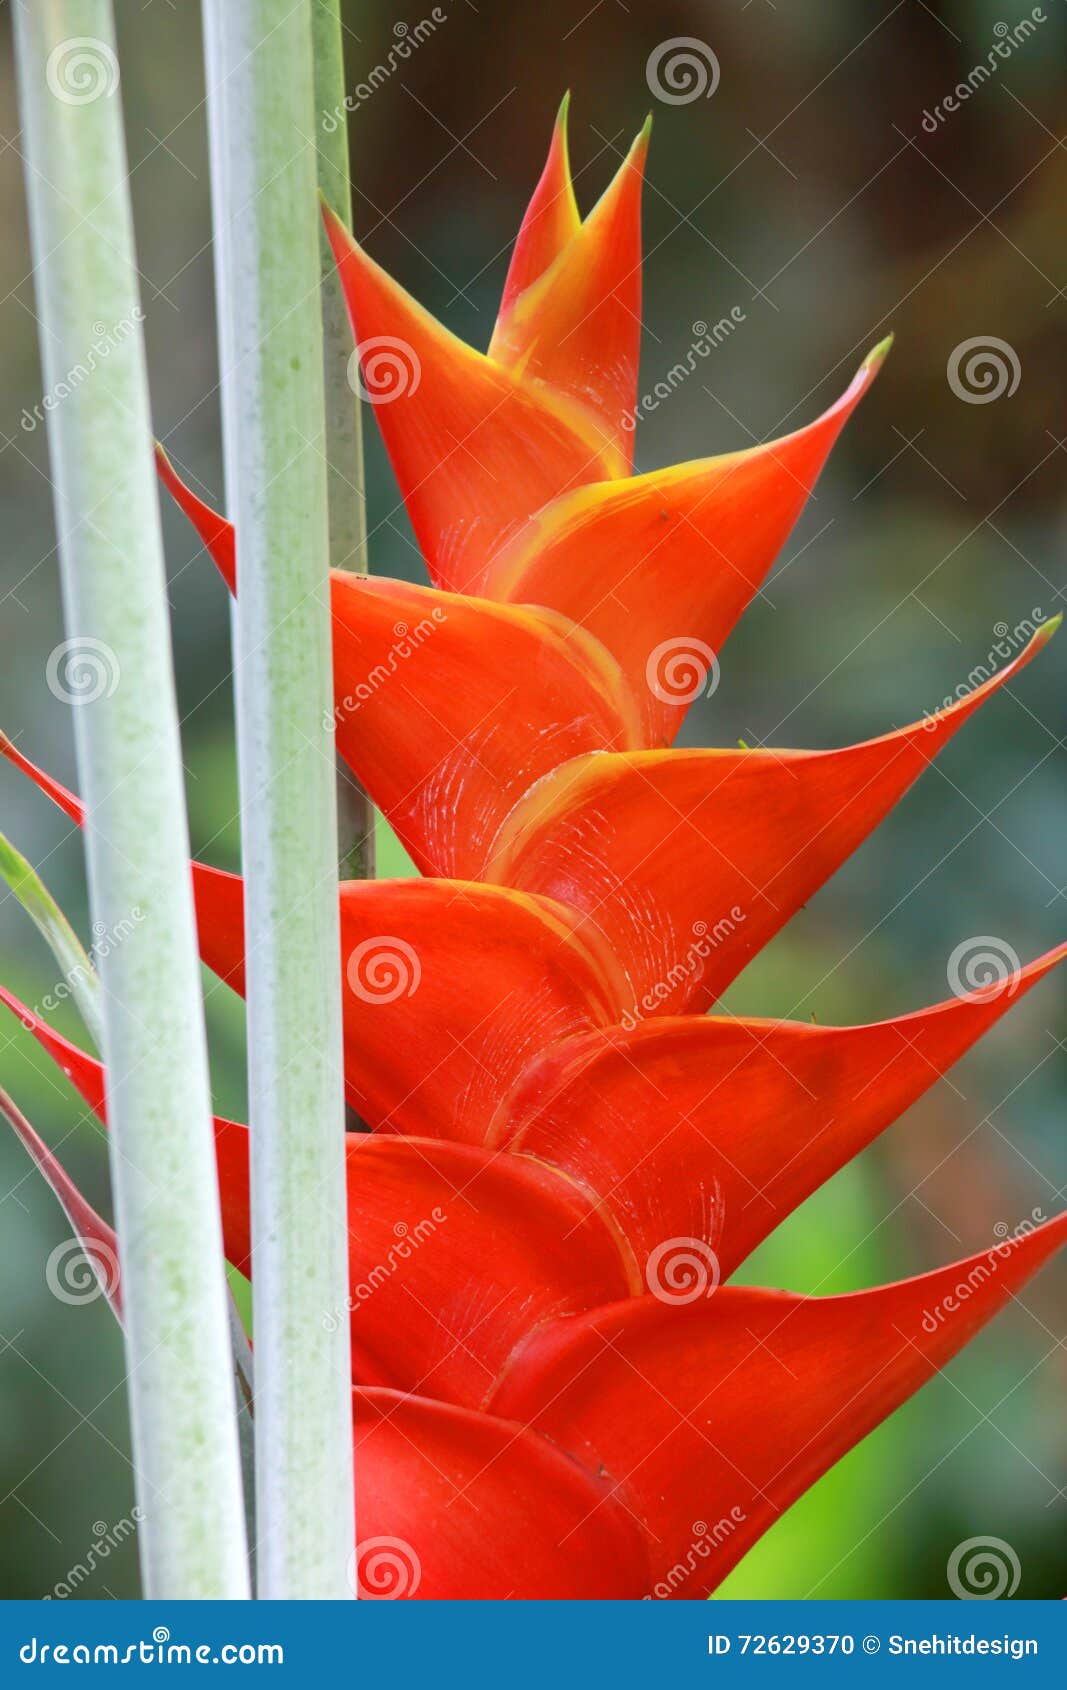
column 807, row 194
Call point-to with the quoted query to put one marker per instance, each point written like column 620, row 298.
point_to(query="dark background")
column 807, row 194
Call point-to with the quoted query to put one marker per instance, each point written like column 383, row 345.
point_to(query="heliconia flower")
column 568, row 1156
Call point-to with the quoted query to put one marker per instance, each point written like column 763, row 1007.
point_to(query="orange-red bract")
column 568, row 1157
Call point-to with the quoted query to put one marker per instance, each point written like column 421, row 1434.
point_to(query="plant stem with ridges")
column 261, row 111
column 185, row 1450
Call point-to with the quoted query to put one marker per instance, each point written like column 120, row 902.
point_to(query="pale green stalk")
column 344, row 422
column 185, row 1449
column 261, row 112
column 344, row 417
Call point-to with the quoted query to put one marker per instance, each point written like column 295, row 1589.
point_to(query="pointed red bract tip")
column 551, row 218
column 96, row 1238
column 216, row 533
column 68, row 803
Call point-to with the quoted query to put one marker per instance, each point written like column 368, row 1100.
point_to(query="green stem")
column 344, row 422
column 260, row 108
column 129, row 758
column 344, row 418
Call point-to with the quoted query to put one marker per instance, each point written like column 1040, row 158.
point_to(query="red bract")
column 568, row 1156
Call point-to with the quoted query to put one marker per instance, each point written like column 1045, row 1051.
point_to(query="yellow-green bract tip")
column 1050, row 627
column 878, row 354
column 564, row 108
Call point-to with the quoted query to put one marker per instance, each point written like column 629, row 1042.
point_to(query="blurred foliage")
column 807, row 194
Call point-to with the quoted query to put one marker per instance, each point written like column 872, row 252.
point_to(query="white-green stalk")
column 115, row 670
column 344, row 421
column 344, row 417
column 261, row 112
